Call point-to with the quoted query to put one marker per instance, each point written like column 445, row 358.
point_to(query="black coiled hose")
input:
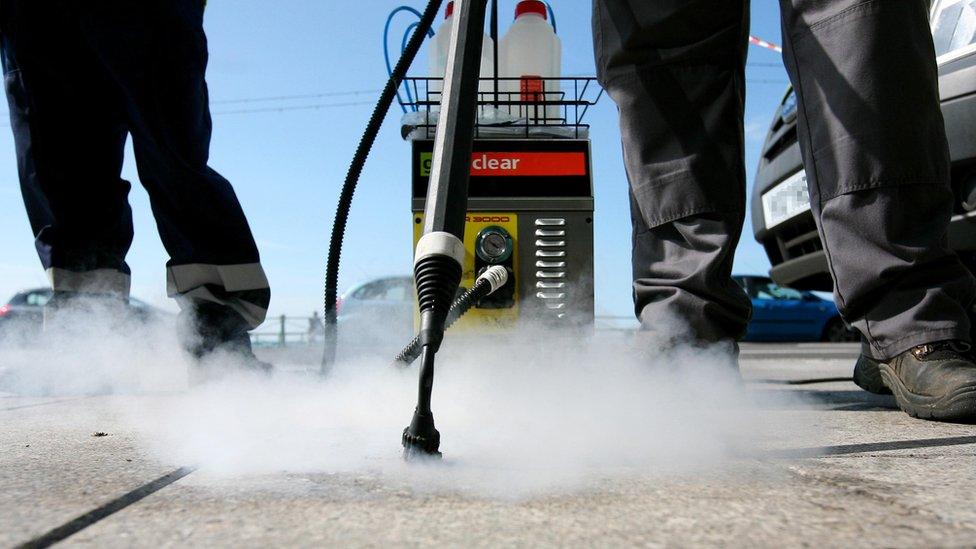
column 356, row 168
column 465, row 301
column 437, row 278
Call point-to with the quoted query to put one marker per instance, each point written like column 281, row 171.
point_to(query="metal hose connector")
column 491, row 280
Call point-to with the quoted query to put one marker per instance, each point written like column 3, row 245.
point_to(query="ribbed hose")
column 461, row 305
column 356, row 168
column 437, row 278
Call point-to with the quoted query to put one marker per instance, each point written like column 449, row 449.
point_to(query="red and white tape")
column 756, row 41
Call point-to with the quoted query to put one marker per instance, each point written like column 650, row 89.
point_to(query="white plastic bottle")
column 531, row 51
column 437, row 58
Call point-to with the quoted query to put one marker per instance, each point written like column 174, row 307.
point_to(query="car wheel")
column 838, row 332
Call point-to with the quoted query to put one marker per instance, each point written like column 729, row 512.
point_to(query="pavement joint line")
column 793, row 356
column 812, row 381
column 36, row 404
column 861, row 408
column 801, row 351
column 867, row 447
column 60, row 533
column 798, row 352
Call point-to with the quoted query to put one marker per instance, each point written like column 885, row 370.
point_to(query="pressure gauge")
column 494, row 245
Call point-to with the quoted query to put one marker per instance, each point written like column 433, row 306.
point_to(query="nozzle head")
column 421, row 440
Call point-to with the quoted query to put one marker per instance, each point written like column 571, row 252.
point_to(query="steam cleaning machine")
column 502, row 195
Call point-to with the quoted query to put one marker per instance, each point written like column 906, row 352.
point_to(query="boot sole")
column 958, row 406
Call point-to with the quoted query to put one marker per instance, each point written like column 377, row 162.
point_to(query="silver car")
column 376, row 317
column 781, row 216
column 23, row 314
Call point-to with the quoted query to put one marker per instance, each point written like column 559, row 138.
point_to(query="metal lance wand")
column 440, row 251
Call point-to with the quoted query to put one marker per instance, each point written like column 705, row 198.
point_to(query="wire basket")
column 508, row 107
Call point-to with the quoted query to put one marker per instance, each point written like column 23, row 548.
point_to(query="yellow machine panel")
column 481, row 318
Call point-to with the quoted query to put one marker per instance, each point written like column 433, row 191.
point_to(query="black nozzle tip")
column 421, row 440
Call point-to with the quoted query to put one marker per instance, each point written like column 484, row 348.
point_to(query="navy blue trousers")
column 81, row 77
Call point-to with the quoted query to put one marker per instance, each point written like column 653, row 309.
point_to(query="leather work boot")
column 935, row 381
column 79, row 310
column 867, row 375
column 210, row 330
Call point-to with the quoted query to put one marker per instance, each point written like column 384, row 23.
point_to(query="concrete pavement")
column 835, row 467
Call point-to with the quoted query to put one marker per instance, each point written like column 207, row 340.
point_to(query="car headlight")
column 786, row 200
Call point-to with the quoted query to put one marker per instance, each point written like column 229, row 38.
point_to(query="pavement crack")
column 81, row 522
column 864, row 448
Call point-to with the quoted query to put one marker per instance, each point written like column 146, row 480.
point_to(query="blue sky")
column 288, row 166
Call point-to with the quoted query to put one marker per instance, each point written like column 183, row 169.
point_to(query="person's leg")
column 69, row 138
column 874, row 147
column 675, row 69
column 157, row 52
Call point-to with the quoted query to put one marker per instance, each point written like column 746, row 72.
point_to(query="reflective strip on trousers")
column 196, row 281
column 99, row 281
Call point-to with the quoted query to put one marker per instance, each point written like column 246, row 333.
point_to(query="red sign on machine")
column 523, row 164
column 514, row 168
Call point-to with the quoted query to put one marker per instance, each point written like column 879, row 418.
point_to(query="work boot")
column 867, row 375
column 81, row 312
column 935, row 381
column 214, row 331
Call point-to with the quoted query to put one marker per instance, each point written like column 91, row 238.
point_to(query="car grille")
column 796, row 238
column 785, row 141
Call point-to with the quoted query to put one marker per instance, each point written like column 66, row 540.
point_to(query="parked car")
column 376, row 317
column 781, row 215
column 23, row 314
column 785, row 314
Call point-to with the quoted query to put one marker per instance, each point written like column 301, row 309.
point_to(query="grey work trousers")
column 873, row 143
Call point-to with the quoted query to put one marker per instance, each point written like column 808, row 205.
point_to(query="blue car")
column 784, row 314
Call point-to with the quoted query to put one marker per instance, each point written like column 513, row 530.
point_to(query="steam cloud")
column 522, row 415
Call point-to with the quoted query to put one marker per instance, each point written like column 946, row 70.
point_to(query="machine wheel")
column 837, row 331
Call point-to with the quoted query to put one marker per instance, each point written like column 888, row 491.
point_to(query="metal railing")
column 527, row 106
column 288, row 331
column 282, row 331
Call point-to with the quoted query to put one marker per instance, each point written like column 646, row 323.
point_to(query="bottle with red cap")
column 531, row 52
column 437, row 57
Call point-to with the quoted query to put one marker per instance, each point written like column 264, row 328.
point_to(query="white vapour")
column 92, row 349
column 544, row 411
